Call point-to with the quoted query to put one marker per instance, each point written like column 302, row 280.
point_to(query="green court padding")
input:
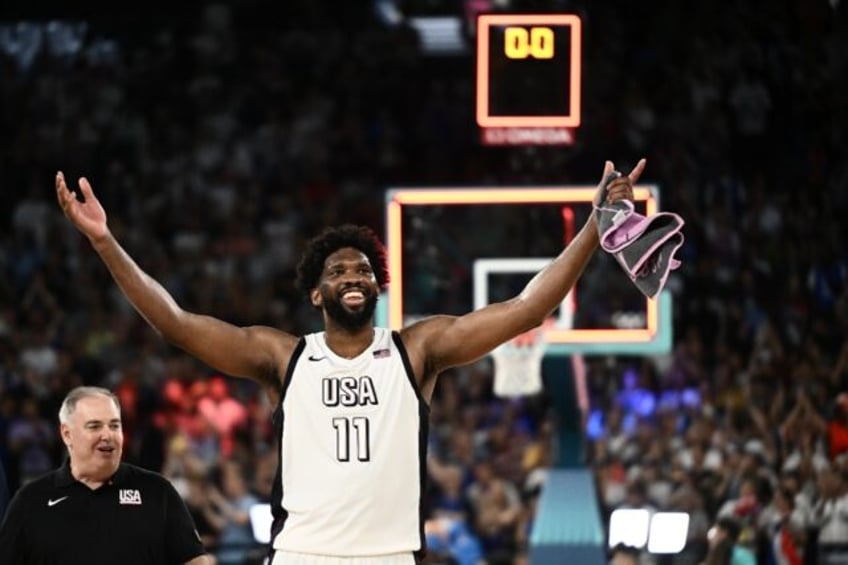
column 568, row 526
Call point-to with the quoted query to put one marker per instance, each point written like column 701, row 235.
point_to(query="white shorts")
column 291, row 558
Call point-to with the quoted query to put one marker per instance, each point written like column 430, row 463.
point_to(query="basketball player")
column 353, row 399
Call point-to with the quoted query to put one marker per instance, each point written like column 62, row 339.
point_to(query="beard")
column 350, row 320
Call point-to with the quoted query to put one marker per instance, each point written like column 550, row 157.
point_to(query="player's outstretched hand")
column 88, row 216
column 621, row 187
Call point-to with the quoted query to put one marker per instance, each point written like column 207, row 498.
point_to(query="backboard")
column 436, row 237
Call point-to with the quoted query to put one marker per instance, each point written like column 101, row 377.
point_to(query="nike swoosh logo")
column 313, row 358
column 55, row 502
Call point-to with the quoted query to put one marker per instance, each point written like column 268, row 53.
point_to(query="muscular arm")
column 456, row 340
column 255, row 352
column 440, row 342
column 239, row 351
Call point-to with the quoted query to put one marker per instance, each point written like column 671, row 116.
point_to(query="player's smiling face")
column 348, row 288
column 94, row 437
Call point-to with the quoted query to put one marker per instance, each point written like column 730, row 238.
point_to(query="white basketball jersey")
column 352, row 448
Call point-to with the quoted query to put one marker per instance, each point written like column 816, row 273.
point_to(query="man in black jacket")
column 95, row 509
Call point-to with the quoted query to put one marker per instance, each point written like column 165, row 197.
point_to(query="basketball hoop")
column 518, row 363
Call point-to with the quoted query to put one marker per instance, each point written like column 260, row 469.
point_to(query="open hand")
column 89, row 216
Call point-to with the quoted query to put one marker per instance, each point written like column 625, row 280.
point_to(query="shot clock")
column 528, row 78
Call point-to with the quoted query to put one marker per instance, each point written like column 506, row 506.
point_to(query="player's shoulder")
column 278, row 344
column 424, row 328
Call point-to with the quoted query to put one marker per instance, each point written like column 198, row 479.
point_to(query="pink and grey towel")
column 644, row 247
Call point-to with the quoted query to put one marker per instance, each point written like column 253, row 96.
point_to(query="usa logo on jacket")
column 129, row 496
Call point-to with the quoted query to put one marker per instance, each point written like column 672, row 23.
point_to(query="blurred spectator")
column 199, row 504
column 786, row 529
column 451, row 541
column 31, row 440
column 745, row 510
column 223, row 412
column 830, row 515
column 636, row 497
column 496, row 507
column 723, row 546
column 449, row 499
column 232, row 515
column 181, row 463
column 836, row 430
column 687, row 499
column 624, row 555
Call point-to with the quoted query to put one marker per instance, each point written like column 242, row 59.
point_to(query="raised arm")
column 447, row 341
column 256, row 352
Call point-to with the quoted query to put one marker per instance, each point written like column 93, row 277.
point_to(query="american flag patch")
column 381, row 353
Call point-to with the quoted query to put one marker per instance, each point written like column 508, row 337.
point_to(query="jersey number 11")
column 360, row 440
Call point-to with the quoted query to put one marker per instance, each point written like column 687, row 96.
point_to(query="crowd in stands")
column 220, row 141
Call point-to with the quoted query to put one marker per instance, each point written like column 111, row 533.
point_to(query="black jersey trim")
column 407, row 365
column 423, row 439
column 298, row 350
column 280, row 514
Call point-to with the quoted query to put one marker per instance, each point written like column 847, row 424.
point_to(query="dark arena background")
column 221, row 136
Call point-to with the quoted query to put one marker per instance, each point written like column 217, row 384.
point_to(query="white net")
column 518, row 364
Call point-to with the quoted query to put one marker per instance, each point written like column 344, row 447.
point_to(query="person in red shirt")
column 837, row 428
column 223, row 412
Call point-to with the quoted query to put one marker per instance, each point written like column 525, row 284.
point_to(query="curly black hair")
column 331, row 240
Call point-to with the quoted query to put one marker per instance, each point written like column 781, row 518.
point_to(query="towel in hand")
column 644, row 247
